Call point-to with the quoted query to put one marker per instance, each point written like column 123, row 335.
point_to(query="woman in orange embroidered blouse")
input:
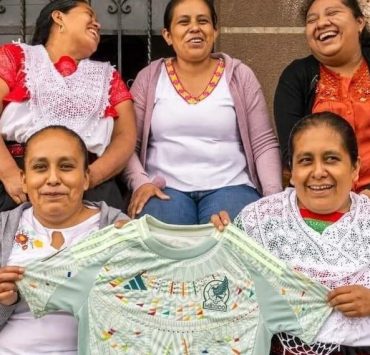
column 350, row 98
column 334, row 78
column 205, row 140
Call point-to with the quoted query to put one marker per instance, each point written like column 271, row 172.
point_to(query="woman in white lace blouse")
column 320, row 227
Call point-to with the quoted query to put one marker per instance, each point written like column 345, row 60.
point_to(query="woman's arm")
column 289, row 106
column 263, row 140
column 135, row 176
column 265, row 146
column 8, row 289
column 120, row 149
column 10, row 174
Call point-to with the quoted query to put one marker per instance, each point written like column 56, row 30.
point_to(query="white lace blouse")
column 337, row 257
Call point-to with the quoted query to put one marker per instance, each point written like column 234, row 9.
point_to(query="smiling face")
column 332, row 31
column 80, row 29
column 191, row 32
column 55, row 178
column 322, row 172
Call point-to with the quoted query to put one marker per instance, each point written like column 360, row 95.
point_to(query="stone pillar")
column 265, row 34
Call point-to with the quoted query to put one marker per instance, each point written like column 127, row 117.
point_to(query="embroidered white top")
column 337, row 257
column 77, row 101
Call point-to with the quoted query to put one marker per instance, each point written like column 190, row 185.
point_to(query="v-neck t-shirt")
column 195, row 146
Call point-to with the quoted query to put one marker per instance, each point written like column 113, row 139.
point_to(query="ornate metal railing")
column 2, row 8
column 119, row 8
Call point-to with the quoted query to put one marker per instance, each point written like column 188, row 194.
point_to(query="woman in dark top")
column 334, row 78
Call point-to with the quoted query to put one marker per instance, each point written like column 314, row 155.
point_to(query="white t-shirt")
column 195, row 147
column 57, row 332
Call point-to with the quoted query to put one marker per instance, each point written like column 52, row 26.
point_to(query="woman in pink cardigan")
column 205, row 140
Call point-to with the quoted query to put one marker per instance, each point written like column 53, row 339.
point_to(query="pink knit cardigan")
column 259, row 141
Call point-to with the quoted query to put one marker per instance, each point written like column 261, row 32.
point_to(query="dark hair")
column 68, row 132
column 331, row 120
column 355, row 9
column 170, row 8
column 45, row 21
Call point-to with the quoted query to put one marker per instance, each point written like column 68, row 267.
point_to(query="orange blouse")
column 349, row 98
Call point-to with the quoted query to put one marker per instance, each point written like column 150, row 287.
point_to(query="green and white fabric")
column 153, row 288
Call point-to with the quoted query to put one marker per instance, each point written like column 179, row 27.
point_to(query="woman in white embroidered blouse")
column 55, row 178
column 320, row 227
column 53, row 82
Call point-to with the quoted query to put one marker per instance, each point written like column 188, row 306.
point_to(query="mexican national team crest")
column 216, row 293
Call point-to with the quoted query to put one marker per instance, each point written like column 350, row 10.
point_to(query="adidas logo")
column 136, row 283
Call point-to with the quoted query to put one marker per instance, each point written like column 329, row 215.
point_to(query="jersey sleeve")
column 11, row 59
column 64, row 280
column 289, row 301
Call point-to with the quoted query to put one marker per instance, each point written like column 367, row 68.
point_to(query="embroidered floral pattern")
column 24, row 240
column 330, row 87
column 190, row 99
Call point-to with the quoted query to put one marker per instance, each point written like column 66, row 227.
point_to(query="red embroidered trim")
column 190, row 99
column 331, row 217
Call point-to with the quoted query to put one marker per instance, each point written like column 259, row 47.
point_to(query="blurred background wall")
column 265, row 34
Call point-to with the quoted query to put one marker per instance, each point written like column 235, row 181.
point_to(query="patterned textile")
column 77, row 101
column 152, row 288
column 334, row 258
column 12, row 72
column 190, row 99
column 349, row 97
column 277, row 349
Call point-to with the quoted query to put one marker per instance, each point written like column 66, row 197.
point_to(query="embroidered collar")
column 190, row 99
column 331, row 85
column 331, row 217
column 66, row 65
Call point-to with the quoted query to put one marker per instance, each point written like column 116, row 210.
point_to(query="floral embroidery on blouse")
column 330, row 86
column 190, row 99
column 25, row 240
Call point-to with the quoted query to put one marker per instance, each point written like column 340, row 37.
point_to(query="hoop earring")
column 61, row 28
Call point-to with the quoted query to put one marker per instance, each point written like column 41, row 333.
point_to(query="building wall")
column 265, row 34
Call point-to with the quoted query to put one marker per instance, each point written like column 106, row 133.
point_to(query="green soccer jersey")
column 153, row 288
